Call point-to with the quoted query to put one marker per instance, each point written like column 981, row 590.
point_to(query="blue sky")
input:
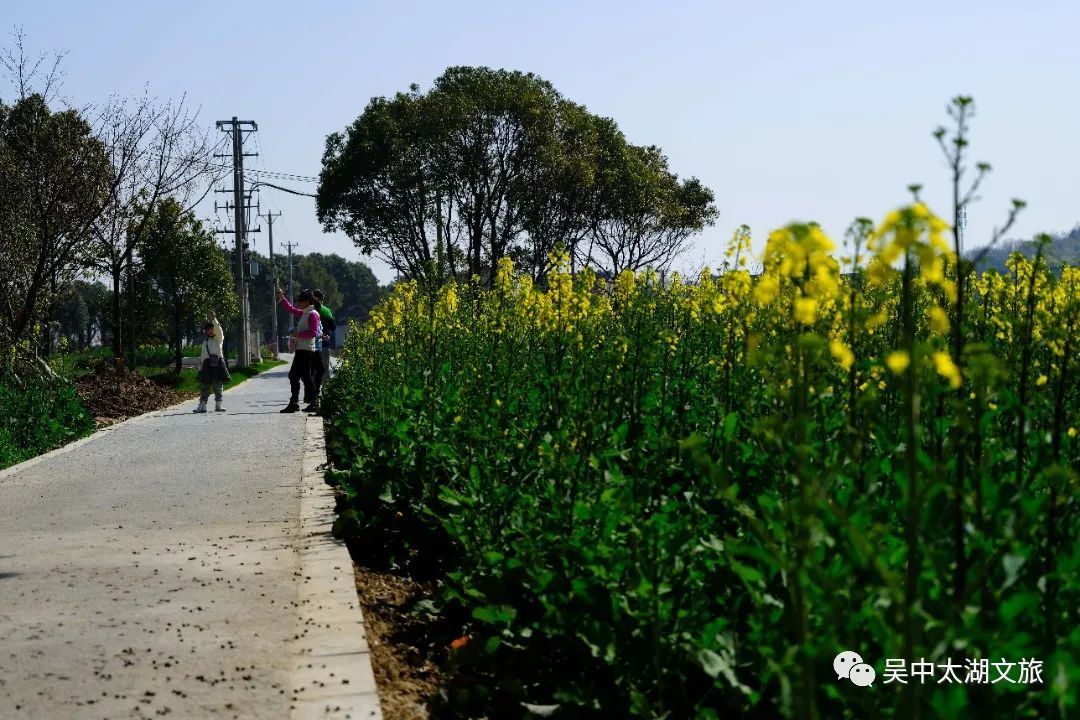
column 787, row 110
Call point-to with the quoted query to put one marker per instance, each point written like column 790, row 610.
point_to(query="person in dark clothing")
column 325, row 340
column 305, row 356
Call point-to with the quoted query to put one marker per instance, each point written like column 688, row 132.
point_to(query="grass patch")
column 188, row 380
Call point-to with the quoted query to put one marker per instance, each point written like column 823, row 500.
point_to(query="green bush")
column 38, row 415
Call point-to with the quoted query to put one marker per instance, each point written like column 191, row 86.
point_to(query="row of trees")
column 83, row 187
column 184, row 275
column 494, row 163
column 108, row 193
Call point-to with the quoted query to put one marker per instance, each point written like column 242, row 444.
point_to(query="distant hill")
column 1064, row 249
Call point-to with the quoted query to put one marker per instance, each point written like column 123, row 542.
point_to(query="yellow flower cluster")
column 914, row 234
column 799, row 294
column 800, row 268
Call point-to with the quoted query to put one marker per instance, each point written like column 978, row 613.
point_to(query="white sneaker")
column 218, row 407
column 201, row 408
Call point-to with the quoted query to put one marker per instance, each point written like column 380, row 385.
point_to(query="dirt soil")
column 111, row 398
column 404, row 676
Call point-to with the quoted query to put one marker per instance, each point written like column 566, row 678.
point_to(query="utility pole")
column 292, row 297
column 273, row 295
column 236, row 129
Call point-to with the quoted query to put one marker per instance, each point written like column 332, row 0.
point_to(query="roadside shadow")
column 6, row 575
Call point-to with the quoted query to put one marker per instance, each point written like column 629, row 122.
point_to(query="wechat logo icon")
column 849, row 665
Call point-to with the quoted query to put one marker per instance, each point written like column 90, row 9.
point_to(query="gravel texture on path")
column 152, row 570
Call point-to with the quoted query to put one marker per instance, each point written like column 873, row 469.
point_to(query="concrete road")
column 154, row 570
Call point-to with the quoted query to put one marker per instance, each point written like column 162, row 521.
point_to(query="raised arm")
column 219, row 336
column 289, row 308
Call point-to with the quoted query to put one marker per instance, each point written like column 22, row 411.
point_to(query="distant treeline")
column 83, row 318
column 1063, row 250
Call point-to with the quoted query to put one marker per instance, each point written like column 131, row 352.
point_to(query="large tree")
column 561, row 192
column 156, row 150
column 642, row 214
column 494, row 163
column 381, row 186
column 56, row 182
column 186, row 271
column 498, row 133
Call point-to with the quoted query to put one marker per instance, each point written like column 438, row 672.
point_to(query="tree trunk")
column 496, row 251
column 177, row 311
column 477, row 233
column 46, row 346
column 25, row 316
column 47, row 338
column 131, row 311
column 118, row 351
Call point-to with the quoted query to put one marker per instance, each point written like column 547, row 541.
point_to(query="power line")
column 263, row 183
column 286, row 175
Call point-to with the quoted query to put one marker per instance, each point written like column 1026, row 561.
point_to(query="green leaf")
column 495, row 614
column 1012, row 565
column 730, row 424
column 712, row 663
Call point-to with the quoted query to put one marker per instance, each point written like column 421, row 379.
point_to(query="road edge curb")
column 332, row 677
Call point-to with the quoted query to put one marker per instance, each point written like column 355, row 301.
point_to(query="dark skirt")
column 214, row 375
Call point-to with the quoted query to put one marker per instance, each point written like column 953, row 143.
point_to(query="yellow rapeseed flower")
column 898, row 361
column 947, row 369
column 880, row 271
column 842, row 353
column 939, row 321
column 806, row 310
column 877, row 319
column 767, row 288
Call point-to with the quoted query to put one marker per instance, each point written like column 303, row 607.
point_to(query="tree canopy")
column 493, row 163
column 56, row 181
column 184, row 269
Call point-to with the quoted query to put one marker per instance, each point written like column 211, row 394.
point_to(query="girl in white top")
column 214, row 339
column 213, row 371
